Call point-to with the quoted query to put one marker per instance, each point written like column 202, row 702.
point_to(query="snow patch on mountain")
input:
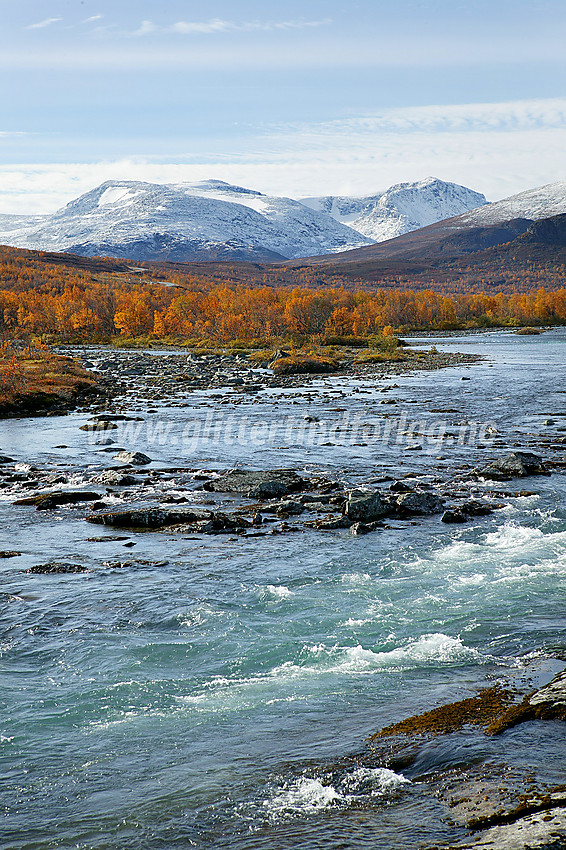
column 401, row 209
column 114, row 194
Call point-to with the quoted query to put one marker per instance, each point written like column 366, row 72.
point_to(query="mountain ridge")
column 214, row 220
column 485, row 227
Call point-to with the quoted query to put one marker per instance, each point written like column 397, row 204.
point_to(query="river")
column 209, row 692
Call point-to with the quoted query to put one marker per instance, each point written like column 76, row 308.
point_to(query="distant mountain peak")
column 400, row 209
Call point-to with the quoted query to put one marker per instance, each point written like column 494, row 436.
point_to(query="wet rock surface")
column 135, row 458
column 548, row 703
column 267, row 484
column 514, row 465
column 501, row 807
column 57, row 567
column 239, row 496
column 49, row 501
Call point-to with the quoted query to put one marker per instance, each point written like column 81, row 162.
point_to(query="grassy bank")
column 35, row 380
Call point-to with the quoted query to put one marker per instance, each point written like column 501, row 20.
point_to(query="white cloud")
column 204, row 27
column 145, row 28
column 217, row 25
column 42, row 24
column 92, row 19
column 499, row 149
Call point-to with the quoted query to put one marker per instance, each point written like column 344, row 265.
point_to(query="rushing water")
column 209, row 693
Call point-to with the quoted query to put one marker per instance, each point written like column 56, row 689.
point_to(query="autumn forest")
column 51, row 299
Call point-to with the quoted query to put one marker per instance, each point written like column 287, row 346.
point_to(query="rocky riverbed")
column 132, row 378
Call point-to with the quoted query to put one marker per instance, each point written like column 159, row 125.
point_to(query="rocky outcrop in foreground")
column 498, row 805
column 548, row 703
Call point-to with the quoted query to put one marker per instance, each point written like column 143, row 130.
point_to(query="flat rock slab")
column 149, row 518
column 48, row 501
column 269, row 484
column 533, row 823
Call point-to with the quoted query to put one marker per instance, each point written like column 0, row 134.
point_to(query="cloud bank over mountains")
column 495, row 148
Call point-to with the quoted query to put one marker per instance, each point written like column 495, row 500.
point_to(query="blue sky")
column 298, row 99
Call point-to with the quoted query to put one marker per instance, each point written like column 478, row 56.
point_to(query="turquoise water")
column 213, row 697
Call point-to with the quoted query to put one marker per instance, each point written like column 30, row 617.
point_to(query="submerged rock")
column 476, row 711
column 6, row 459
column 10, row 554
column 514, row 465
column 57, row 567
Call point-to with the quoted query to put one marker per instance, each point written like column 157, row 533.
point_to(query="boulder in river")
column 419, row 504
column 359, row 528
column 464, row 512
column 513, row 465
column 454, row 516
column 6, row 459
column 114, row 478
column 473, row 507
column 137, row 458
column 329, row 524
column 9, row 554
column 367, row 507
column 221, row 523
column 100, row 425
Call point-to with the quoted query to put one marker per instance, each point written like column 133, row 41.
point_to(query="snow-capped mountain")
column 477, row 230
column 542, row 202
column 401, row 209
column 200, row 221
